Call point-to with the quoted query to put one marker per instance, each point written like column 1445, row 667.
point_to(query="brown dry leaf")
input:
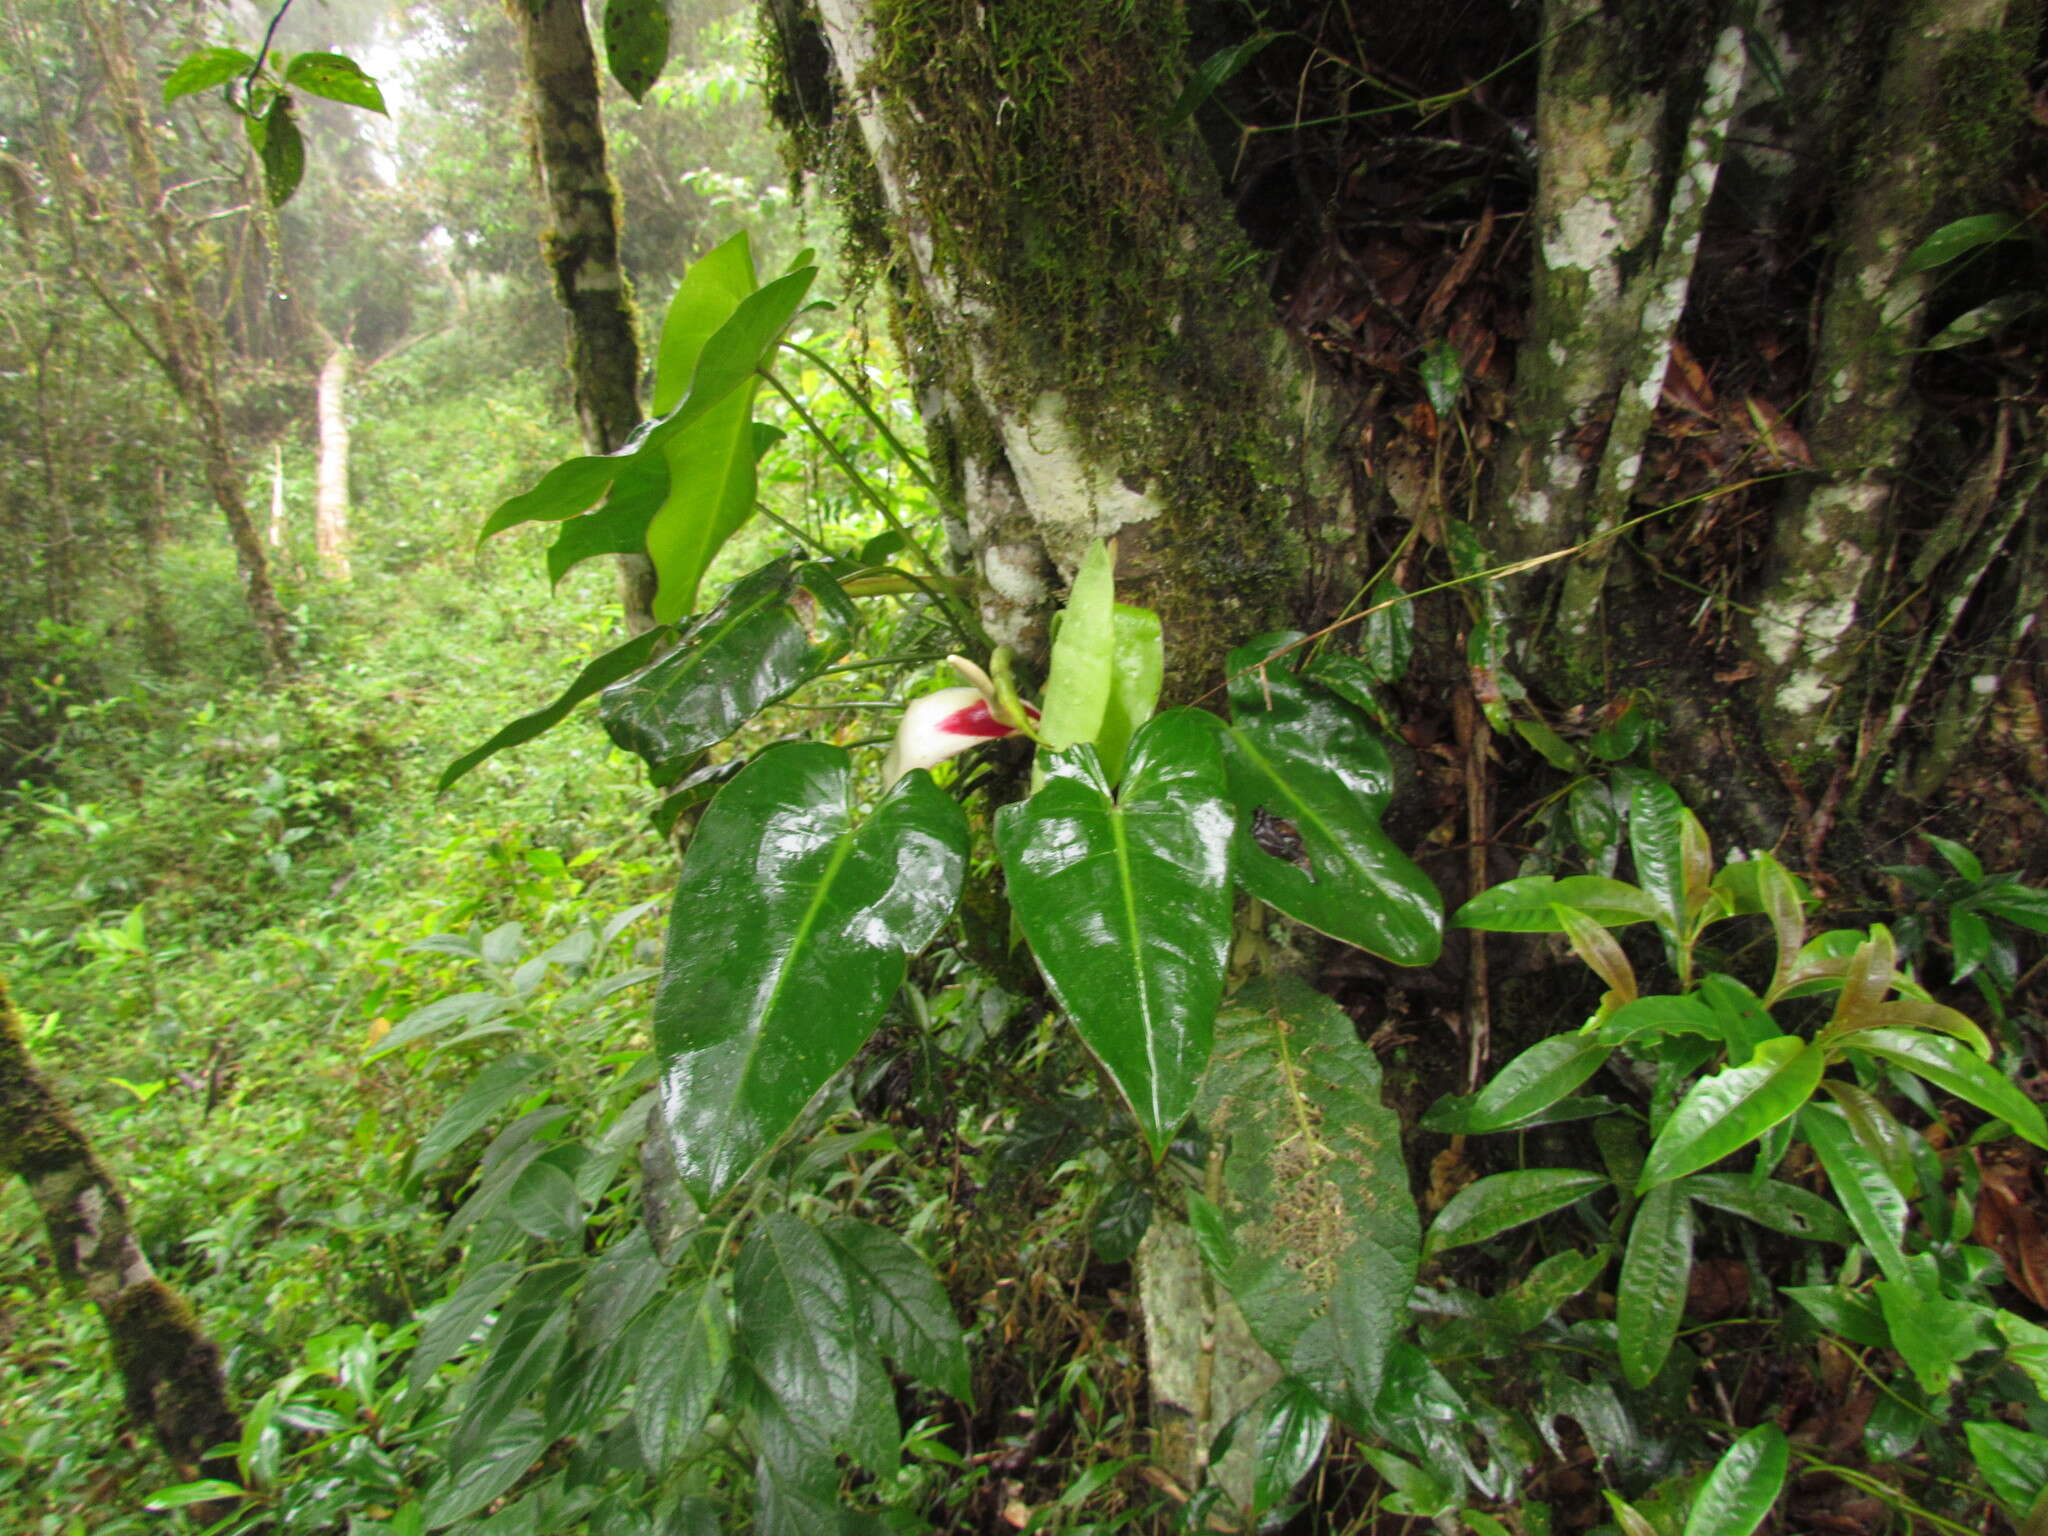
column 1741, row 674
column 1717, row 1288
column 1016, row 1513
column 1448, row 1173
column 2008, row 1224
column 1685, row 383
column 1461, row 270
column 1781, row 445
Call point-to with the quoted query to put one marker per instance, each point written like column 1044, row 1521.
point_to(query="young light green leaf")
column 1501, row 1201
column 1657, row 1016
column 713, row 286
column 2026, row 1346
column 620, row 661
column 1958, row 238
column 1079, row 677
column 185, row 1495
column 1306, row 759
column 1528, row 905
column 203, row 70
column 1138, row 668
column 1125, row 898
column 1866, row 1193
column 1596, row 947
column 790, row 934
column 636, row 43
column 1955, row 1069
column 335, row 77
column 1743, row 1486
column 1655, row 1269
column 1536, row 1079
column 1730, row 1109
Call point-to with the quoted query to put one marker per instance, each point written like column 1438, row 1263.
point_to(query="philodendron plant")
column 816, row 873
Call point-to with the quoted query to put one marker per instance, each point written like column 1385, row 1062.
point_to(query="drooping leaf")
column 281, row 150
column 1137, row 669
column 1775, row 1204
column 1933, row 1333
column 1322, row 1240
column 1862, row 1188
column 335, row 77
column 771, row 632
column 1080, row 675
column 1525, row 905
column 203, row 70
column 1212, row 72
column 1288, row 1427
column 1958, row 237
column 455, row 1321
column 1954, row 1068
column 496, row 1086
column 1125, row 898
column 1656, row 833
column 1534, row 1080
column 508, row 1448
column 636, row 40
column 900, row 1306
column 1302, row 756
column 789, row 935
column 1119, row 1221
column 1654, row 1270
column 796, row 1325
column 1501, row 1201
column 688, row 1352
column 1732, row 1108
column 619, row 662
column 526, row 1344
column 1847, row 1313
column 1743, row 1486
column 1386, row 639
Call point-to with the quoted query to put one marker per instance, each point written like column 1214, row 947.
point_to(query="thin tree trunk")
column 330, row 496
column 183, row 347
column 171, row 1369
column 582, row 247
column 277, row 505
column 1832, row 534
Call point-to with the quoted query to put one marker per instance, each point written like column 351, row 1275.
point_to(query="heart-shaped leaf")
column 1303, row 757
column 789, row 935
column 1125, row 898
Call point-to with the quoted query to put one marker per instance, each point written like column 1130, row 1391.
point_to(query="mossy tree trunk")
column 171, row 1369
column 582, row 243
column 182, row 345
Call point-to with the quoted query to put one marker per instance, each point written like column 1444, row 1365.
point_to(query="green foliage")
column 259, row 89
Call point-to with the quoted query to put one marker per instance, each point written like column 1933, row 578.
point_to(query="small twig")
column 269, row 32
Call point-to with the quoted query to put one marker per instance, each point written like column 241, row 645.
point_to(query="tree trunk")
column 171, row 1369
column 330, row 496
column 184, row 349
column 582, row 247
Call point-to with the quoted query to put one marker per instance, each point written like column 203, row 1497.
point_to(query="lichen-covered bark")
column 330, row 492
column 170, row 1368
column 183, row 349
column 1099, row 363
column 1831, row 534
column 582, row 246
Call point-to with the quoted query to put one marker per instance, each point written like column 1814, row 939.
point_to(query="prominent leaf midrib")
column 721, row 458
column 1127, row 890
column 1304, row 811
column 800, row 943
column 702, row 644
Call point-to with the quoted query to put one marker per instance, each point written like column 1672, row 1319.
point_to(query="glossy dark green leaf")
column 525, row 1346
column 689, row 1348
column 1536, row 1079
column 203, row 70
column 544, row 1203
column 1501, row 1201
column 1118, row 1223
column 2018, row 904
column 1846, row 1313
column 1125, row 898
column 1731, row 1108
column 619, row 662
column 789, row 935
column 1969, row 942
column 1594, row 823
column 1080, row 673
column 797, row 1326
column 1775, row 1204
column 619, row 1285
column 1320, row 1251
column 1647, row 1019
column 1535, row 1298
column 900, row 1306
column 2014, row 1463
column 772, row 631
column 1289, row 1427
column 496, row 1086
column 281, row 149
column 336, row 77
column 1743, row 1486
column 1386, row 639
column 1954, row 1068
column 1933, row 1333
column 1620, row 736
column 1958, row 237
column 1525, row 905
column 636, row 40
column 1655, row 1269
column 1868, row 1197
column 507, row 1449
column 1300, row 755
column 1655, row 831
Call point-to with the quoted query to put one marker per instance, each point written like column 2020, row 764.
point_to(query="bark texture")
column 582, row 243
column 171, row 1369
column 1831, row 538
column 183, row 346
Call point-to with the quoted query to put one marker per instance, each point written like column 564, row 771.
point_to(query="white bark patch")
column 1072, row 500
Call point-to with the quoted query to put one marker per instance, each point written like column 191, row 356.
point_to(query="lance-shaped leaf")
column 1323, row 1231
column 1955, row 1069
column 797, row 1327
column 620, row 661
column 1743, row 1486
column 1528, row 905
column 1655, row 1269
column 1862, row 1188
column 1125, row 898
column 1080, row 675
column 773, row 631
column 789, row 936
column 1305, row 758
column 1732, row 1108
column 1137, row 668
